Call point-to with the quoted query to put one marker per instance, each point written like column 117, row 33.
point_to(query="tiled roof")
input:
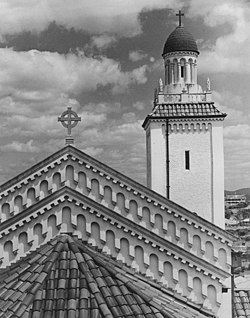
column 66, row 278
column 186, row 110
column 180, row 40
column 242, row 303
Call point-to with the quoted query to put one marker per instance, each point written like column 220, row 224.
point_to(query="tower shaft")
column 184, row 134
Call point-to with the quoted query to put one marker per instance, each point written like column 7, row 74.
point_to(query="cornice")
column 150, row 118
column 180, row 53
column 158, row 200
column 115, row 219
column 35, row 171
column 72, row 153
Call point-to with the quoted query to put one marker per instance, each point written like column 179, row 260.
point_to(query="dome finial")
column 180, row 14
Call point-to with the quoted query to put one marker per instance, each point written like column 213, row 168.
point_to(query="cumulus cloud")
column 93, row 151
column 232, row 105
column 139, row 105
column 136, row 56
column 37, row 86
column 118, row 17
column 21, row 147
column 136, row 76
column 237, row 156
column 230, row 52
column 91, row 119
column 103, row 108
column 30, row 73
column 103, row 41
column 217, row 13
column 123, row 144
column 236, row 139
column 119, row 143
column 237, row 132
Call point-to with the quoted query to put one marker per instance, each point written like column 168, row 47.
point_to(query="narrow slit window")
column 187, row 160
column 182, row 71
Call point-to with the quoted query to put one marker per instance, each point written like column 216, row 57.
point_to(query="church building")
column 79, row 239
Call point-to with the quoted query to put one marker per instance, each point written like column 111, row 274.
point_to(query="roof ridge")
column 63, row 257
column 109, row 290
column 31, row 290
column 86, row 259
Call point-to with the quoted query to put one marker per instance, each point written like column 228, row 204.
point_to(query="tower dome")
column 180, row 40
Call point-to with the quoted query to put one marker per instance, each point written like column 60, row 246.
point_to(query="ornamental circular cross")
column 69, row 119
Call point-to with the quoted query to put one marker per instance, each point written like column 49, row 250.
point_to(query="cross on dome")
column 69, row 120
column 180, row 14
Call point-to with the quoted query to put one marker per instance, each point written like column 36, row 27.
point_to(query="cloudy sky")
column 103, row 58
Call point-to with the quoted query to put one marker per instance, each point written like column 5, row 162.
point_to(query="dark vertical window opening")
column 187, row 160
column 182, row 71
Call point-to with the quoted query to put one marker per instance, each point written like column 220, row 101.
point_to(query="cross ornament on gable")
column 69, row 120
column 180, row 14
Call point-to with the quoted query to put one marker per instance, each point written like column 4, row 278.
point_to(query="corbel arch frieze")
column 110, row 192
column 114, row 239
column 117, row 196
column 70, row 224
column 130, row 194
column 41, row 184
column 180, row 126
column 16, row 184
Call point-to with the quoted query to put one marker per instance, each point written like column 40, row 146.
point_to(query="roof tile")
column 241, row 303
column 174, row 110
column 68, row 277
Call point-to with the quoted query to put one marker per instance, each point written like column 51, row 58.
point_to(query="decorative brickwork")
column 71, row 192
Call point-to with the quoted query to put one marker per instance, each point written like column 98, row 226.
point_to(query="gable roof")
column 67, row 275
column 109, row 173
column 127, row 211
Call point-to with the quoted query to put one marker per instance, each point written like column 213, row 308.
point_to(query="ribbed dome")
column 180, row 40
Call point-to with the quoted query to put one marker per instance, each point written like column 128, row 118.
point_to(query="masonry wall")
column 199, row 187
column 218, row 174
column 191, row 188
column 156, row 158
column 78, row 196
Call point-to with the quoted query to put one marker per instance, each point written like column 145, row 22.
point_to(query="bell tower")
column 184, row 134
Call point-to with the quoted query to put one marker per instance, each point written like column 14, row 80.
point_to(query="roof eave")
column 178, row 51
column 149, row 117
